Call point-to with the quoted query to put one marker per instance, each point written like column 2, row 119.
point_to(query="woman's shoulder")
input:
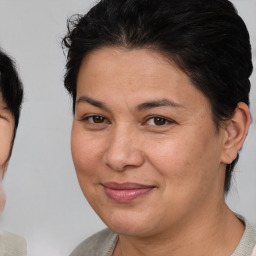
column 12, row 244
column 102, row 243
column 248, row 240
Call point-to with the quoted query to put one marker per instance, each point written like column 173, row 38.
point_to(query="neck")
column 216, row 234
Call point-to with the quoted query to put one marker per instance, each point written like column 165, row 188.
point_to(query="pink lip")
column 125, row 192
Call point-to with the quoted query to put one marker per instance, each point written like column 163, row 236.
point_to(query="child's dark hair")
column 11, row 89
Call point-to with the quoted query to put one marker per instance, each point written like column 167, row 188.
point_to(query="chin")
column 129, row 224
column 132, row 231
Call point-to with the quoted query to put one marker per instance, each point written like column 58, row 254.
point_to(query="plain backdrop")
column 44, row 201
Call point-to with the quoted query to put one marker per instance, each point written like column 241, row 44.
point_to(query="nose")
column 123, row 150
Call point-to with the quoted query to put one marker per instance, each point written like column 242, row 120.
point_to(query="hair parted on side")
column 208, row 40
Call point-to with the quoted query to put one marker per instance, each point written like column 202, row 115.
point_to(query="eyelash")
column 87, row 119
column 165, row 121
column 3, row 117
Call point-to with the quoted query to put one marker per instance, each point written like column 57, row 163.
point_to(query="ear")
column 235, row 132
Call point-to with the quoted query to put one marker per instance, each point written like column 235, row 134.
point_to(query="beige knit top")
column 103, row 243
column 12, row 245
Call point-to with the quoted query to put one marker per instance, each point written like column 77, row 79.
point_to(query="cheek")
column 6, row 135
column 6, row 140
column 188, row 170
column 186, row 160
column 86, row 153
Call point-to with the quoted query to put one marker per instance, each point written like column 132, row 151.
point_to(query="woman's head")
column 144, row 144
column 205, row 39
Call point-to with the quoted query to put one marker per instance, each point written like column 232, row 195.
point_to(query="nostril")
column 123, row 159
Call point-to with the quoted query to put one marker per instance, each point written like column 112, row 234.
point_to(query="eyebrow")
column 140, row 107
column 5, row 108
column 158, row 103
column 93, row 102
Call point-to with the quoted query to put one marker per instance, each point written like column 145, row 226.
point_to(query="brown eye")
column 158, row 121
column 96, row 119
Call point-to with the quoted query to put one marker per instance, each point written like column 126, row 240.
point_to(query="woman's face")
column 145, row 148
column 6, row 134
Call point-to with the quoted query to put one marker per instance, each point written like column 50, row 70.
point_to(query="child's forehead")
column 3, row 104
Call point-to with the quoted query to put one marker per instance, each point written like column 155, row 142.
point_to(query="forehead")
column 4, row 110
column 2, row 101
column 144, row 61
column 127, row 68
column 137, row 74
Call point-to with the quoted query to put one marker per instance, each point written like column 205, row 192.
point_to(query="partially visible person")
column 161, row 110
column 11, row 94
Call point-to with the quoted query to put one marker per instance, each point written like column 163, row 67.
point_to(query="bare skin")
column 215, row 242
column 140, row 121
column 6, row 134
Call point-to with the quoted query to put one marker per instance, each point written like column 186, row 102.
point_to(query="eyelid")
column 3, row 117
column 168, row 120
column 86, row 119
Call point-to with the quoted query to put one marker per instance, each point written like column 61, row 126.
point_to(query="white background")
column 44, row 201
